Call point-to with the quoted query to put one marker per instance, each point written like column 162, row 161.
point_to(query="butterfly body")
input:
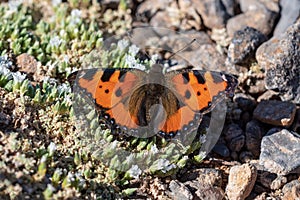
column 144, row 104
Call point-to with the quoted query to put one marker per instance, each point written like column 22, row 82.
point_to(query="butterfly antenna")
column 186, row 46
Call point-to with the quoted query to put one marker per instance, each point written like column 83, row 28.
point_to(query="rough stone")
column 280, row 58
column 288, row 16
column 278, row 182
column 245, row 156
column 112, row 4
column 213, row 12
column 207, row 58
column 274, row 112
column 257, row 88
column 179, row 191
column 221, row 149
column 260, row 168
column 268, row 95
column 291, row 190
column 148, row 8
column 206, row 191
column 244, row 44
column 271, row 5
column 254, row 133
column 258, row 189
column 184, row 39
column 296, row 123
column 27, row 63
column 171, row 14
column 266, row 179
column 262, row 21
column 204, row 175
column 230, row 6
column 172, row 41
column 190, row 18
column 280, row 152
column 234, row 137
column 245, row 102
column 162, row 19
column 5, row 119
column 241, row 181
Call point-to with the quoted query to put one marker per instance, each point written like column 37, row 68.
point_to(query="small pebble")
column 241, row 181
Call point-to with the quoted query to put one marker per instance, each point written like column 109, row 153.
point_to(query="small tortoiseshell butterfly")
column 169, row 104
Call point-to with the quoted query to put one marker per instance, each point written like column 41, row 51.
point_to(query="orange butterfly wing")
column 111, row 89
column 199, row 91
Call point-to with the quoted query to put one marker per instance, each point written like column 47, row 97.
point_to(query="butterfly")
column 143, row 104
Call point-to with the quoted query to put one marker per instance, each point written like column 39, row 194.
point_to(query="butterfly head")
column 157, row 69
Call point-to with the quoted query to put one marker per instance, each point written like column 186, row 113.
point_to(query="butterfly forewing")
column 200, row 90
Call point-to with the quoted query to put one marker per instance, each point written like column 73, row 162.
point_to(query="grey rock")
column 245, row 118
column 207, row 58
column 280, row 58
column 260, row 168
column 230, row 6
column 258, row 189
column 279, row 113
column 172, row 41
column 254, row 133
column 213, row 12
column 278, row 182
column 274, row 130
column 236, row 114
column 288, row 15
column 203, row 175
column 268, row 95
column 296, row 123
column 258, row 87
column 184, row 38
column 234, row 155
column 162, row 19
column 112, row 4
column 148, row 8
column 241, row 181
column 280, row 152
column 221, row 149
column 291, row 190
column 232, row 131
column 180, row 14
column 266, row 179
column 261, row 20
column 245, row 102
column 237, row 143
column 179, row 191
column 246, row 156
column 271, row 5
column 205, row 190
column 5, row 119
column 234, row 137
column 190, row 18
column 244, row 44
